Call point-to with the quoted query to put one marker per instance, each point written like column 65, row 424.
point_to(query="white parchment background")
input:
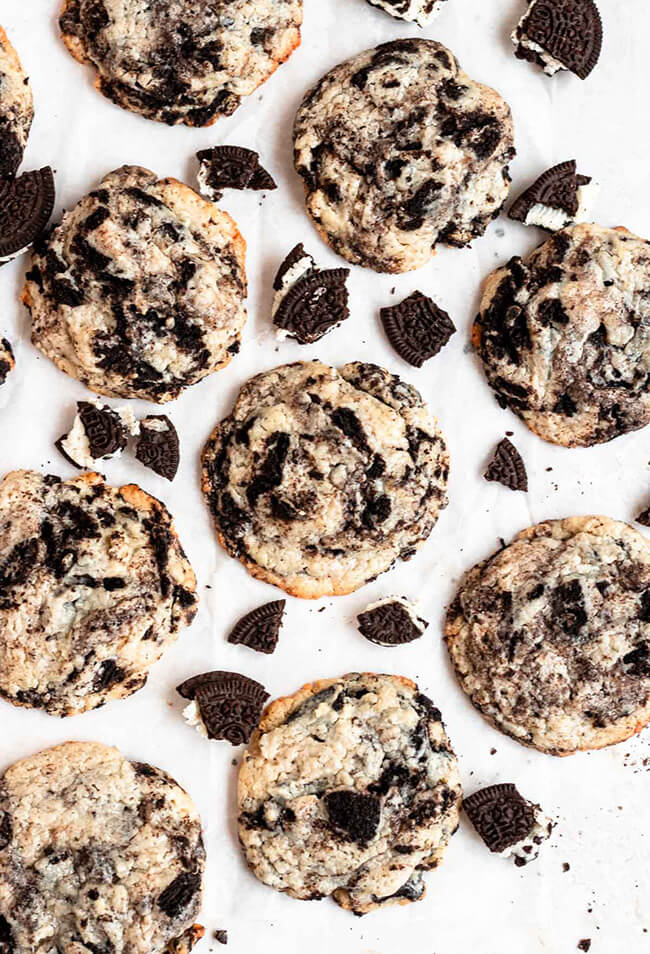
column 476, row 902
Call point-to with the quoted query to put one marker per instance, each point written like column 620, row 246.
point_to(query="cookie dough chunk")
column 97, row 854
column 320, row 479
column 139, row 292
column 94, row 586
column 349, row 789
column 422, row 12
column 7, row 360
column 16, row 108
column 399, row 149
column 551, row 636
column 178, row 61
column 564, row 335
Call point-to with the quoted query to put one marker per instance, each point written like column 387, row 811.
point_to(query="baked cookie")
column 139, row 292
column 97, row 854
column 564, row 335
column 320, row 479
column 16, row 108
column 181, row 61
column 422, row 12
column 349, row 789
column 7, row 360
column 399, row 149
column 94, row 586
column 550, row 637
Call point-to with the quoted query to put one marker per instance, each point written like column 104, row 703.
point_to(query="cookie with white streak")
column 94, row 586
column 564, row 335
column 111, row 850
column 550, row 637
column 181, row 62
column 421, row 12
column 349, row 789
column 16, row 108
column 139, row 291
column 399, row 150
column 319, row 480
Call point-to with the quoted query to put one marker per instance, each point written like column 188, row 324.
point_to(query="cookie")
column 231, row 167
column 224, row 705
column 94, row 586
column 158, row 446
column 308, row 300
column 16, row 108
column 563, row 335
column 398, row 150
column 550, row 637
column 98, row 432
column 392, row 621
column 421, row 12
column 349, row 788
column 417, row 328
column 26, row 204
column 7, row 360
column 319, row 480
column 557, row 198
column 509, row 825
column 260, row 629
column 560, row 35
column 507, row 467
column 111, row 852
column 139, row 291
column 181, row 62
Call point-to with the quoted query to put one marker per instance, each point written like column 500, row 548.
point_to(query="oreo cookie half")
column 507, row 467
column 416, row 328
column 560, row 34
column 559, row 197
column 26, row 204
column 231, row 167
column 224, row 705
column 391, row 622
column 158, row 446
column 309, row 301
column 260, row 629
column 509, row 825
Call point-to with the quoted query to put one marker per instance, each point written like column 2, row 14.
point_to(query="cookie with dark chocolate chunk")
column 507, row 467
column 224, row 705
column 560, row 35
column 392, row 621
column 417, row 328
column 508, row 824
column 260, row 629
column 231, row 167
column 16, row 109
column 26, row 204
column 309, row 301
column 158, row 446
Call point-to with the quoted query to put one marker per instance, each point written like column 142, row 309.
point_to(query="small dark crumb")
column 566, row 866
column 221, row 937
column 509, row 433
column 549, row 468
column 493, row 751
column 584, row 944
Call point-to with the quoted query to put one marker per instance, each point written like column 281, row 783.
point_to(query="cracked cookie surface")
column 421, row 12
column 178, row 61
column 320, row 479
column 564, row 335
column 349, row 789
column 550, row 637
column 16, row 108
column 399, row 150
column 97, row 854
column 94, row 586
column 139, row 291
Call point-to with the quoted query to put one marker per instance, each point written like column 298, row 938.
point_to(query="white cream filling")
column 192, row 715
column 77, row 446
column 552, row 218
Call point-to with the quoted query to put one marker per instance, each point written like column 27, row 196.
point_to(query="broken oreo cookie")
column 557, row 198
column 309, row 301
column 158, row 446
column 260, row 629
column 98, row 433
column 26, row 205
column 507, row 467
column 224, row 705
column 231, row 167
column 560, row 34
column 509, row 825
column 417, row 328
column 391, row 622
column 7, row 361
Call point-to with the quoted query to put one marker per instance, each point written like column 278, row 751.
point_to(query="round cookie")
column 178, row 61
column 564, row 335
column 97, row 854
column 349, row 789
column 320, row 479
column 421, row 12
column 16, row 108
column 399, row 150
column 139, row 291
column 550, row 637
column 94, row 586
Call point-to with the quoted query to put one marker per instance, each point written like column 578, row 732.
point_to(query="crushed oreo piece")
column 179, row 894
column 309, row 301
column 417, row 328
column 509, row 825
column 221, row 937
column 98, row 433
column 556, row 199
column 354, row 815
column 507, row 467
column 560, row 34
column 584, row 944
column 7, row 360
column 391, row 622
column 260, row 629
column 26, row 204
column 224, row 705
column 231, row 167
column 644, row 518
column 158, row 446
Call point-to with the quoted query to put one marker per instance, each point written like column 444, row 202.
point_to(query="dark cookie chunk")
column 158, row 446
column 507, row 467
column 355, row 815
column 221, row 937
column 644, row 518
column 569, row 32
column 26, row 205
column 309, row 301
column 500, row 815
column 230, row 704
column 260, row 629
column 104, row 429
column 417, row 328
column 7, row 361
column 231, row 167
column 556, row 188
column 179, row 894
column 584, row 944
column 391, row 623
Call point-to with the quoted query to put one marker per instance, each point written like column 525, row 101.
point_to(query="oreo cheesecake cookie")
column 178, row 61
column 16, row 108
column 111, row 852
column 319, row 480
column 94, row 586
column 139, row 291
column 349, row 789
column 422, row 12
column 398, row 150
column 550, row 637
column 564, row 335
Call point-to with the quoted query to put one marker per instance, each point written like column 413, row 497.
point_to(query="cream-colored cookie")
column 16, row 108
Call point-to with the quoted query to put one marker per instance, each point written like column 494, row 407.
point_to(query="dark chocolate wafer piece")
column 158, row 445
column 557, row 188
column 104, row 429
column 507, row 467
column 260, row 629
column 26, row 205
column 231, row 167
column 570, row 31
column 500, row 815
column 644, row 518
column 391, row 622
column 417, row 328
column 314, row 303
column 230, row 704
